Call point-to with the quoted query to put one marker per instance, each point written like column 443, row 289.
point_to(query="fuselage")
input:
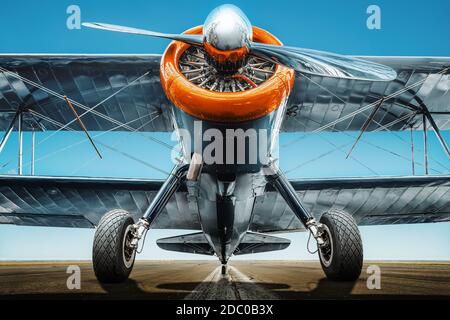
column 231, row 115
column 231, row 179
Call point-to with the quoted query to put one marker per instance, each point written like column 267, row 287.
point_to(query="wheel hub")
column 326, row 249
column 129, row 251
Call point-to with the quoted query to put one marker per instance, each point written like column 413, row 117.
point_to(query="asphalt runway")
column 245, row 280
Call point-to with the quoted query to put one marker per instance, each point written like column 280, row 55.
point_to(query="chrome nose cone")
column 227, row 28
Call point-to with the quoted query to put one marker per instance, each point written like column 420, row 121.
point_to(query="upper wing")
column 371, row 201
column 81, row 202
column 27, row 82
column 317, row 103
column 328, row 104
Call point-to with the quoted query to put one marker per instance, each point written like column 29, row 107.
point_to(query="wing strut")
column 20, row 134
column 33, row 148
column 412, row 149
column 9, row 130
column 429, row 117
column 82, row 126
column 366, row 125
column 18, row 117
column 425, row 143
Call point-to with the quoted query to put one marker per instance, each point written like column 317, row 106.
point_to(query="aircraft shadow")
column 130, row 290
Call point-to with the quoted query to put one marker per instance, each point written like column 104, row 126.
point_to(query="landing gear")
column 113, row 255
column 117, row 236
column 337, row 235
column 341, row 255
column 224, row 269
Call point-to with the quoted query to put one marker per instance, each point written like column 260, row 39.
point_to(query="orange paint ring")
column 224, row 106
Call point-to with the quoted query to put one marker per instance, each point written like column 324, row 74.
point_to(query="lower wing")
column 81, row 202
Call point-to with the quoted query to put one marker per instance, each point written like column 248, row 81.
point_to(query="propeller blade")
column 188, row 38
column 323, row 63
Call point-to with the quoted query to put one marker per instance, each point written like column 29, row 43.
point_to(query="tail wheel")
column 341, row 256
column 224, row 269
column 112, row 255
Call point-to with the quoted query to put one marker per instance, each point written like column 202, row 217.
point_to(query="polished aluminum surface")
column 88, row 79
column 314, row 102
column 196, row 243
column 371, row 201
column 195, row 67
column 227, row 28
column 330, row 104
column 81, row 202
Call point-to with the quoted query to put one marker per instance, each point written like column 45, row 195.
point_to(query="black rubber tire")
column 347, row 257
column 107, row 252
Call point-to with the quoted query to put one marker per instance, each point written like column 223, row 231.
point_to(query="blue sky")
column 407, row 28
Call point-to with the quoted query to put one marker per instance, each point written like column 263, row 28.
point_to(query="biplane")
column 227, row 89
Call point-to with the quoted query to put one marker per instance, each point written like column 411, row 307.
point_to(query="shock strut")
column 280, row 182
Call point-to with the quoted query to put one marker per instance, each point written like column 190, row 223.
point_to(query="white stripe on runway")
column 233, row 286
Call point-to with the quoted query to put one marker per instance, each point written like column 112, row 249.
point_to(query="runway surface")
column 245, row 280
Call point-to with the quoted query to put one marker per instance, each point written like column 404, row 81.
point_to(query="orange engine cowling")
column 217, row 106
